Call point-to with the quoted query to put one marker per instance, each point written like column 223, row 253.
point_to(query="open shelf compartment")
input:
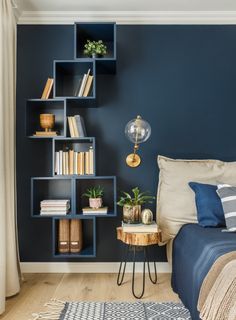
column 77, row 145
column 89, row 238
column 35, row 107
column 49, row 188
column 97, row 31
column 68, row 75
column 109, row 198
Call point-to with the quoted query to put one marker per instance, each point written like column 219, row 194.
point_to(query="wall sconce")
column 137, row 131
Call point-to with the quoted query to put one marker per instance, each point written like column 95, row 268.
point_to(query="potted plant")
column 132, row 204
column 95, row 196
column 95, row 49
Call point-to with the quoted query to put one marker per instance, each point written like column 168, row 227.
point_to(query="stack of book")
column 84, row 85
column 92, row 211
column 54, row 207
column 72, row 162
column 47, row 89
column 70, row 237
column 76, row 127
column 140, row 227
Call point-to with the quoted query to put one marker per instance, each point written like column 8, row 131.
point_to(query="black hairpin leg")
column 133, row 276
column 155, row 270
column 120, row 276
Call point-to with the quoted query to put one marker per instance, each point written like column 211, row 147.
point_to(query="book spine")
column 84, row 82
column 91, row 161
column 71, row 160
column 75, row 236
column 60, row 162
column 82, row 163
column 56, row 163
column 64, row 236
column 75, row 127
column 45, row 89
column 49, row 88
column 79, row 125
column 87, row 162
column 75, row 169
column 88, row 86
column 81, row 90
column 72, row 134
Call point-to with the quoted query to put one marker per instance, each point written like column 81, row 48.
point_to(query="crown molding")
column 17, row 13
column 128, row 17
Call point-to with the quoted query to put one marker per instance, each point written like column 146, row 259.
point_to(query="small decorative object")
column 95, row 197
column 137, row 131
column 147, row 216
column 132, row 205
column 95, row 49
column 47, row 121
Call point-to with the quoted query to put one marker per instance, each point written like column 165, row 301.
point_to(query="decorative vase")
column 131, row 214
column 147, row 216
column 47, row 121
column 95, row 203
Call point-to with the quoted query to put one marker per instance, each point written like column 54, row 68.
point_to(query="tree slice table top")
column 138, row 239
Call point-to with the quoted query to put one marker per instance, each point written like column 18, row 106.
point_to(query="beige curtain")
column 9, row 274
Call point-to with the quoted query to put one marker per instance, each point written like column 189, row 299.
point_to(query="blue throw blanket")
column 195, row 249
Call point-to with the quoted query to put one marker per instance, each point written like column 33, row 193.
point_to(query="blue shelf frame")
column 35, row 107
column 89, row 251
column 105, row 31
column 62, row 94
column 86, row 140
column 72, row 71
column 78, row 185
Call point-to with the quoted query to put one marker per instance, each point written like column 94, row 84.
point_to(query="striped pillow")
column 227, row 196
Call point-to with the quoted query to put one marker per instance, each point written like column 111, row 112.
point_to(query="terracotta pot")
column 132, row 214
column 95, row 203
column 147, row 216
column 47, row 121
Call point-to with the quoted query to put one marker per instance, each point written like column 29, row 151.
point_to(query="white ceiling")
column 126, row 5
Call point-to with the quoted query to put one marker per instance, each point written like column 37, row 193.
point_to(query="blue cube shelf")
column 35, row 107
column 89, row 238
column 68, row 75
column 76, row 144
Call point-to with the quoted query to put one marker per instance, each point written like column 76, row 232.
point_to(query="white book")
column 56, row 165
column 53, row 213
column 60, row 161
column 75, row 171
column 66, row 163
column 55, row 201
column 83, row 84
column 91, row 162
column 140, row 227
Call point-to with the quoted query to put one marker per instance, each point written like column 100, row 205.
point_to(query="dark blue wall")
column 181, row 79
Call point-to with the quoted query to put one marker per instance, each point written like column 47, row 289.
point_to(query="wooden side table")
column 133, row 242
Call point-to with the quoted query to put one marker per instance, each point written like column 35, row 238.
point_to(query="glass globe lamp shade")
column 138, row 130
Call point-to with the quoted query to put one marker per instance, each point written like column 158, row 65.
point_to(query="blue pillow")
column 209, row 207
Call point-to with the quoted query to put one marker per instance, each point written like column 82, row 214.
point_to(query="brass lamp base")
column 133, row 160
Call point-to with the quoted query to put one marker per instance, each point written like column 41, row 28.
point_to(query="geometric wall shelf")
column 67, row 75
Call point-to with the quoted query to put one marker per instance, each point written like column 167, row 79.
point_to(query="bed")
column 195, row 249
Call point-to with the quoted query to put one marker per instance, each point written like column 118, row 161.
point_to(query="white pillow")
column 175, row 199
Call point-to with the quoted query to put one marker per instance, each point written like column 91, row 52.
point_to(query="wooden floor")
column 40, row 288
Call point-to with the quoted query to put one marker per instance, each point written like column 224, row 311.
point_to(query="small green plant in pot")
column 94, row 194
column 95, row 49
column 132, row 204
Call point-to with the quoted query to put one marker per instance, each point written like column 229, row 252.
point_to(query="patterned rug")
column 113, row 311
column 124, row 311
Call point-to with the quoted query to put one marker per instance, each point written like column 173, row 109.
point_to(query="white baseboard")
column 86, row 267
